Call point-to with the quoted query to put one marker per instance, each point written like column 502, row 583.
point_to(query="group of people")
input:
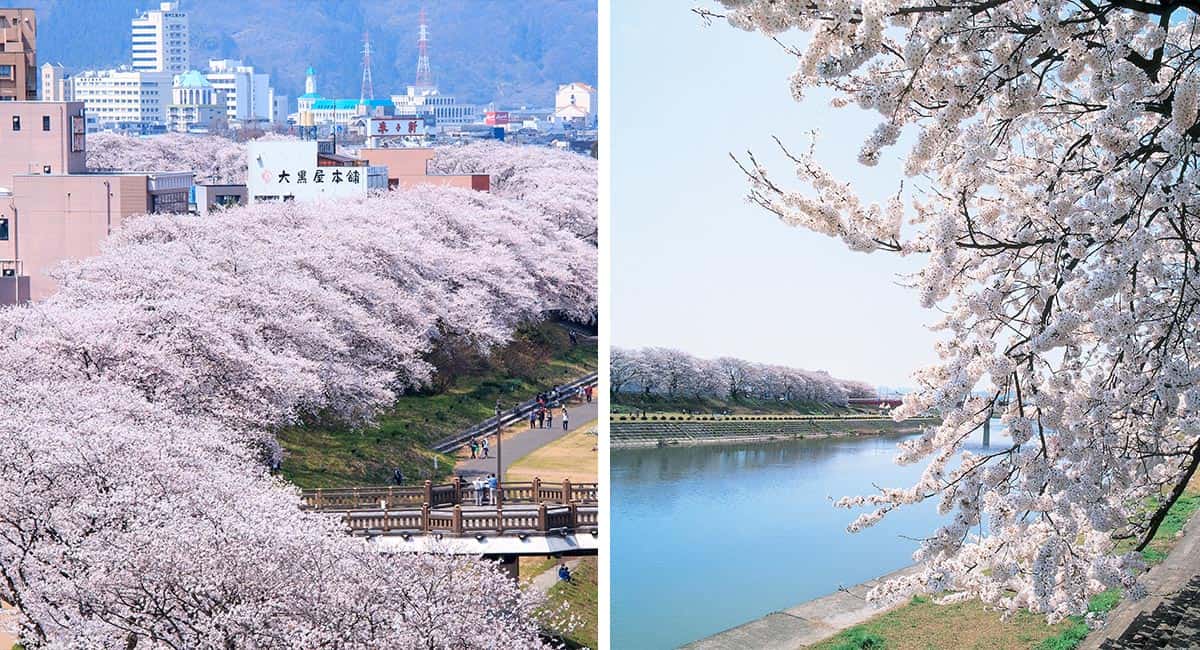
column 485, row 489
column 480, row 447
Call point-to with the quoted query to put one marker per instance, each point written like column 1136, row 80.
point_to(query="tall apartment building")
column 56, row 83
column 18, row 55
column 160, row 40
column 124, row 100
column 248, row 94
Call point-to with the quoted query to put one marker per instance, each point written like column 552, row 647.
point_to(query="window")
column 46, row 169
column 16, row 123
column 45, row 122
column 3, row 228
column 8, row 71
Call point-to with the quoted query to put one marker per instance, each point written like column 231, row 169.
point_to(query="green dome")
column 192, row 79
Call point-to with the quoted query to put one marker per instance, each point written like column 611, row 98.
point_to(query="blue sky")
column 694, row 266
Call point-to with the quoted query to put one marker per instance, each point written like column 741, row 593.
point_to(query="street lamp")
column 499, row 456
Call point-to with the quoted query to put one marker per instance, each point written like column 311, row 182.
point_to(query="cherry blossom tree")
column 134, row 503
column 1053, row 198
column 562, row 184
column 213, row 159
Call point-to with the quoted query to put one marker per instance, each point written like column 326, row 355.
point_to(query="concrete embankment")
column 657, row 433
column 806, row 623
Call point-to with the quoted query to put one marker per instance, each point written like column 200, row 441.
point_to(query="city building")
column 249, row 98
column 307, row 170
column 314, row 109
column 207, row 198
column 195, row 104
column 160, row 40
column 407, row 167
column 124, row 100
column 56, row 83
column 54, row 208
column 18, row 55
column 575, row 104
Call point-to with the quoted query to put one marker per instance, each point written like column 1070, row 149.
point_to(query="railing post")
column 428, row 492
column 425, row 518
column 457, row 496
column 458, row 526
column 355, row 498
column 499, row 519
column 574, row 515
column 537, row 490
column 566, row 495
column 317, row 503
column 541, row 525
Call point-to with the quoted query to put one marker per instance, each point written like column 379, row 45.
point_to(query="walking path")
column 527, row 440
column 1163, row 582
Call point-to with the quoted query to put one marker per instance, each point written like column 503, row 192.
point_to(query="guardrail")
column 513, row 416
column 544, row 519
column 458, row 492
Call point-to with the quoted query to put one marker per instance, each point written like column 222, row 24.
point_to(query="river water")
column 709, row 537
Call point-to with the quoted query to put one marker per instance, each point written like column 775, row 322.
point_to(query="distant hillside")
column 513, row 53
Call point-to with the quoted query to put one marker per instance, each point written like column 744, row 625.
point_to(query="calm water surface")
column 709, row 537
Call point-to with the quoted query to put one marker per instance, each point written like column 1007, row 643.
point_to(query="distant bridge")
column 528, row 518
column 876, row 402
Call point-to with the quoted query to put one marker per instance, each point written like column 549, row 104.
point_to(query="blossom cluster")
column 135, row 505
column 670, row 372
column 1054, row 201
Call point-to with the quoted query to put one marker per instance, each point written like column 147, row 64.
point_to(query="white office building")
column 56, row 83
column 195, row 105
column 249, row 98
column 443, row 109
column 160, row 40
column 123, row 100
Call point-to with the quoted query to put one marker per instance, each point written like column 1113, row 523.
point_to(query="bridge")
column 875, row 402
column 528, row 518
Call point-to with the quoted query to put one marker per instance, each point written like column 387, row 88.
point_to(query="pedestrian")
column 564, row 416
column 564, row 573
column 588, row 393
column 486, row 448
column 492, row 484
column 550, row 418
column 474, row 448
column 478, row 485
column 532, row 418
column 541, row 418
column 398, row 476
column 574, row 338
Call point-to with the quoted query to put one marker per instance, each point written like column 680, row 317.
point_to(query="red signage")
column 496, row 118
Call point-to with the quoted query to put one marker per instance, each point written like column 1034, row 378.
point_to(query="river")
column 709, row 537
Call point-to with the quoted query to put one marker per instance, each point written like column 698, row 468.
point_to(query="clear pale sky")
column 694, row 265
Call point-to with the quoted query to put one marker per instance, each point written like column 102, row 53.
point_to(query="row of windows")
column 16, row 123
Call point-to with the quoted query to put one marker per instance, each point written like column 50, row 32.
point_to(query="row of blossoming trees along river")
column 141, row 401
column 1052, row 151
column 672, row 373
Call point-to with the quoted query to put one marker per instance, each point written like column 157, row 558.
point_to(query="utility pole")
column 499, row 456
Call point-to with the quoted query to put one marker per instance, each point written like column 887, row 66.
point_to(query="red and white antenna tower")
column 368, row 89
column 424, row 74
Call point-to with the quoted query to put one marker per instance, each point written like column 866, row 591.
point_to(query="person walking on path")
column 398, row 476
column 541, row 418
column 588, row 393
column 532, row 418
column 486, row 448
column 550, row 418
column 474, row 448
column 492, row 484
column 564, row 417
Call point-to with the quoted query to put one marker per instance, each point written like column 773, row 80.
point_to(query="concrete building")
column 52, row 207
column 195, row 104
column 441, row 110
column 18, row 55
column 56, row 83
column 161, row 40
column 407, row 167
column 575, row 104
column 124, row 100
column 314, row 109
column 305, row 170
column 208, row 198
column 248, row 94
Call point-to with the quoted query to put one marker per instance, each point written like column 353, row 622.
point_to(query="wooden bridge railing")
column 543, row 519
column 447, row 494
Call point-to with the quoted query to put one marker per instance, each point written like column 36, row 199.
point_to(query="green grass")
column 464, row 392
column 582, row 595
column 859, row 639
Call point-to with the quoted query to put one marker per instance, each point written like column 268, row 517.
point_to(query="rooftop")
column 192, row 79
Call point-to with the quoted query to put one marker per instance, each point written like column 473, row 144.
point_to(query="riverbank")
column 639, row 433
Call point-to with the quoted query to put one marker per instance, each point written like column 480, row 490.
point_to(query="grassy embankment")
column 921, row 624
column 628, row 403
column 463, row 392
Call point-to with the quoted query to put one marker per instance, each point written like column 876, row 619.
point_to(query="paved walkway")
column 1163, row 582
column 527, row 440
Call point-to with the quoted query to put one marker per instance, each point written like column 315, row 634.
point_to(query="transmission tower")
column 424, row 74
column 368, row 89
